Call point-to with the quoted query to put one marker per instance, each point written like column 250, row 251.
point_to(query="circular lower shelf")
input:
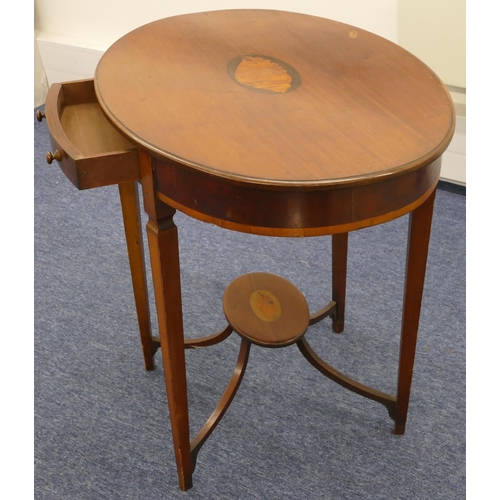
column 266, row 309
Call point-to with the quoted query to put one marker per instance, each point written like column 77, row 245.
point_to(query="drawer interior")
column 84, row 123
column 90, row 151
column 87, row 128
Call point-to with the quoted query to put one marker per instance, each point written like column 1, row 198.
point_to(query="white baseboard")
column 66, row 59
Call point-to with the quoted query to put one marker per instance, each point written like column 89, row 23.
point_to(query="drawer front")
column 89, row 151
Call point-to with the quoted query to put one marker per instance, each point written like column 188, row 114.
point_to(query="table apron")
column 281, row 211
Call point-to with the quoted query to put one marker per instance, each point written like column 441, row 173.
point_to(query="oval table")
column 281, row 124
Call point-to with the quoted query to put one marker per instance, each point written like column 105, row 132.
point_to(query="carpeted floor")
column 101, row 421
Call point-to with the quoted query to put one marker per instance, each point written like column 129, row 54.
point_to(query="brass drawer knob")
column 40, row 116
column 51, row 157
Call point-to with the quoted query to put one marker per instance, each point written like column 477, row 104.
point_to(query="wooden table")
column 265, row 122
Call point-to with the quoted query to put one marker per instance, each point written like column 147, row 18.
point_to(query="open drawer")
column 88, row 149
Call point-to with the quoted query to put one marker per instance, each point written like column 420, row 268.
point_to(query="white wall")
column 72, row 35
column 434, row 30
column 41, row 85
column 101, row 22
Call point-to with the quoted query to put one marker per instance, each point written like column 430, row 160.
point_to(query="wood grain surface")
column 266, row 309
column 365, row 107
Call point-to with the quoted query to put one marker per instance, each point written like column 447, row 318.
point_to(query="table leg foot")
column 419, row 231
column 164, row 253
column 129, row 198
column 399, row 428
column 163, row 247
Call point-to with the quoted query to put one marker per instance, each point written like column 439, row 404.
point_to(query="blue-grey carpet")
column 101, row 421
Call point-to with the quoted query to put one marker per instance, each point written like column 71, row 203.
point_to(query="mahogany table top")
column 274, row 98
